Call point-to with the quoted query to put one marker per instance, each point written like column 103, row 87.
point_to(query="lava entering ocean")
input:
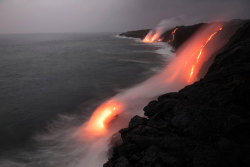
column 99, row 121
column 152, row 37
column 156, row 36
column 182, row 71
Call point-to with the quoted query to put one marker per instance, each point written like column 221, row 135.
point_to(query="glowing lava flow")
column 192, row 72
column 202, row 47
column 200, row 51
column 152, row 37
column 173, row 35
column 159, row 40
column 98, row 123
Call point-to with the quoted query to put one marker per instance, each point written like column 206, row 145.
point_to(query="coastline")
column 204, row 124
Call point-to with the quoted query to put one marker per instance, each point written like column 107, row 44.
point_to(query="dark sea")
column 46, row 76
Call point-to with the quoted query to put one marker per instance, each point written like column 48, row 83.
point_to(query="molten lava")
column 152, row 37
column 173, row 35
column 98, row 123
column 191, row 73
column 159, row 40
column 202, row 47
column 200, row 51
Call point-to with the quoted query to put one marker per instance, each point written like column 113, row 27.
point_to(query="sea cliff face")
column 206, row 124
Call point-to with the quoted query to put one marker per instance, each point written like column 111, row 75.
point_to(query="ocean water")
column 55, row 81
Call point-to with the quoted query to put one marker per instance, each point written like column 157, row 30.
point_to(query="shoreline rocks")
column 206, row 124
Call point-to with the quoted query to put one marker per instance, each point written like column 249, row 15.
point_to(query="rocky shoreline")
column 206, row 124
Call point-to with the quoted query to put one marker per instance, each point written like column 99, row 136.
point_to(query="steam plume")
column 173, row 77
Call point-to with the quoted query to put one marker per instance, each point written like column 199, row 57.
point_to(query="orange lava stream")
column 150, row 38
column 191, row 73
column 173, row 35
column 202, row 47
column 159, row 40
column 201, row 51
column 102, row 116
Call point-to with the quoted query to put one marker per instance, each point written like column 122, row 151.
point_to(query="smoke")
column 167, row 24
column 173, row 22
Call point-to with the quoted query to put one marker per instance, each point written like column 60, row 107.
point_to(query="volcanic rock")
column 182, row 34
column 206, row 124
column 136, row 34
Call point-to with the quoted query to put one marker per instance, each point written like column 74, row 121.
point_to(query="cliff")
column 136, row 34
column 181, row 35
column 206, row 124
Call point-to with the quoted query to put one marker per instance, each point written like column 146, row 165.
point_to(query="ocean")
column 50, row 83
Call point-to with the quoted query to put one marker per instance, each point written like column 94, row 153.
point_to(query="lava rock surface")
column 182, row 34
column 206, row 124
column 141, row 34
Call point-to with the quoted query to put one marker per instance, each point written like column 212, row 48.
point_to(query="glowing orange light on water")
column 106, row 113
column 102, row 116
column 152, row 37
column 159, row 40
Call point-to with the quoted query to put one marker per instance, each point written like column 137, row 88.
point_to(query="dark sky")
column 37, row 16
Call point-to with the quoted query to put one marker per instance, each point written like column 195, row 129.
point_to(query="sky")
column 48, row 16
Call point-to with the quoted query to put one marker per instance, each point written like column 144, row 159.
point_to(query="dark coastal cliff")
column 206, row 124
column 181, row 35
column 136, row 34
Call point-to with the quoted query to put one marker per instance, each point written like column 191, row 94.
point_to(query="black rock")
column 136, row 34
column 206, row 124
column 136, row 121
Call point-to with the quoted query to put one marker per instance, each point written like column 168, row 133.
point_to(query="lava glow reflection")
column 98, row 123
column 152, row 37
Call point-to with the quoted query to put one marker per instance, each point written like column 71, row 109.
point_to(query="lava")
column 173, row 35
column 155, row 37
column 200, row 51
column 98, row 123
column 202, row 47
column 159, row 40
column 191, row 73
column 152, row 37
